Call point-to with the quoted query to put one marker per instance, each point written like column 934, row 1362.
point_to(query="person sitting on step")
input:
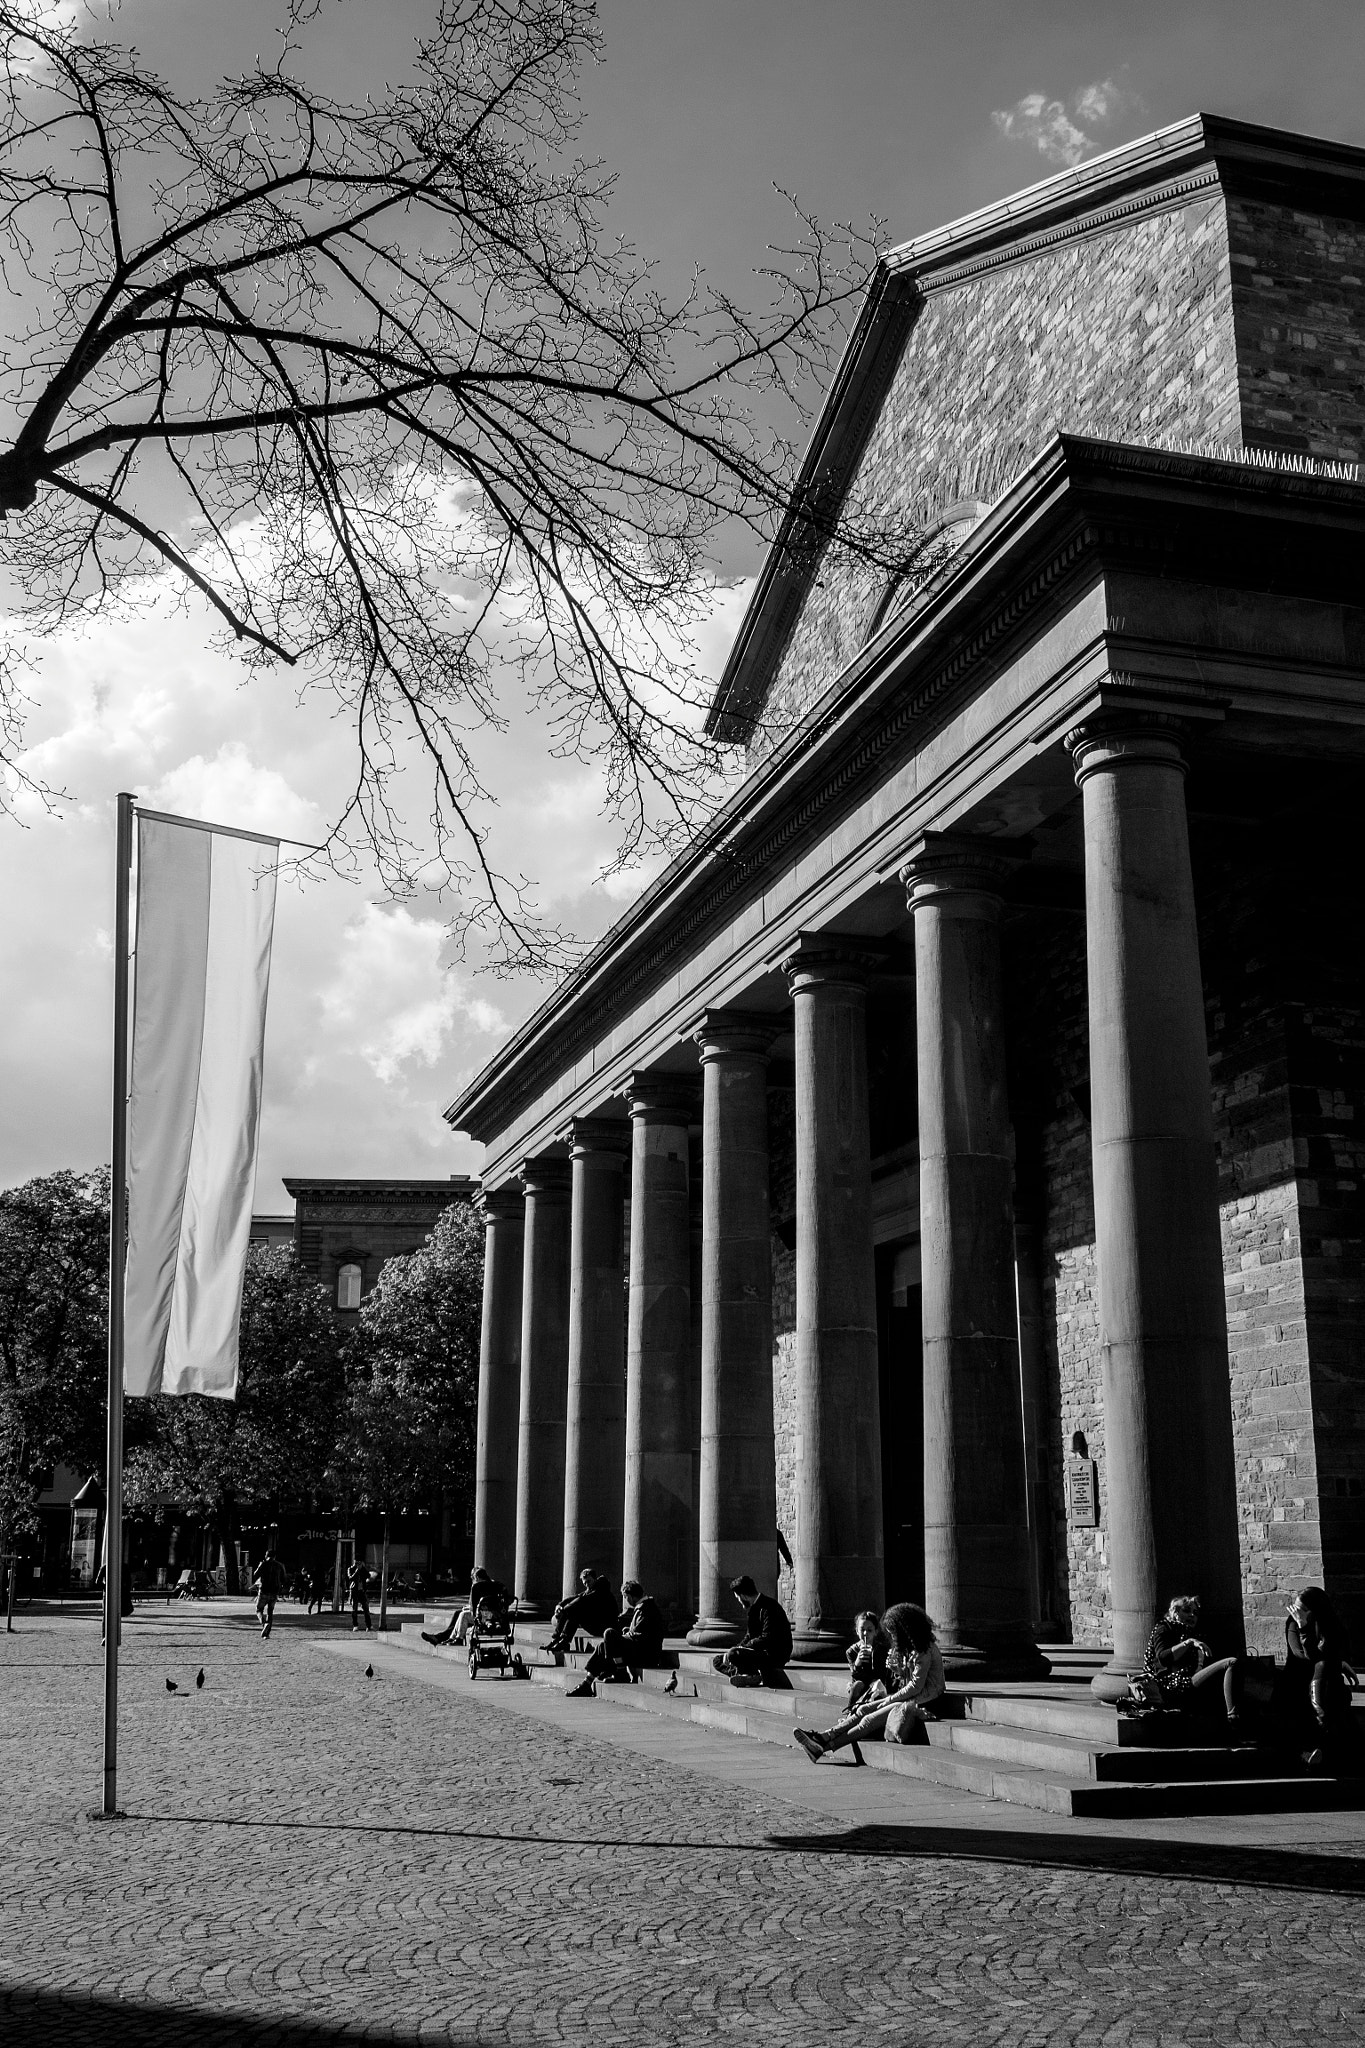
column 635, row 1639
column 761, row 1657
column 482, row 1584
column 866, row 1656
column 1184, row 1668
column 1313, row 1693
column 589, row 1612
column 893, row 1710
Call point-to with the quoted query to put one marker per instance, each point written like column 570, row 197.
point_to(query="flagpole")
column 118, row 1239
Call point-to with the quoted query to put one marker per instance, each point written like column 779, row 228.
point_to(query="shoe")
column 586, row 1691
column 807, row 1740
column 1315, row 1759
column 745, row 1678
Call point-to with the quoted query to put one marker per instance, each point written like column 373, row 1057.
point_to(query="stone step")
column 1065, row 1786
column 1018, row 1784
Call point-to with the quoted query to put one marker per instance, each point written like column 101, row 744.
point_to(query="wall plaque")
column 1082, row 1493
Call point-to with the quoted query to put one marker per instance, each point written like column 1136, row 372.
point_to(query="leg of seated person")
column 1229, row 1670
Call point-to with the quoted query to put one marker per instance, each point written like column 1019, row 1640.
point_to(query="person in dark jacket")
column 635, row 1639
column 590, row 1612
column 762, row 1656
column 1314, row 1689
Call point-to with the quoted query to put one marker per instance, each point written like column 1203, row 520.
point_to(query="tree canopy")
column 375, row 382
column 268, row 1449
column 54, row 1279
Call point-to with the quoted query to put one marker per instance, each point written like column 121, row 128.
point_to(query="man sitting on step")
column 636, row 1639
column 761, row 1658
column 591, row 1611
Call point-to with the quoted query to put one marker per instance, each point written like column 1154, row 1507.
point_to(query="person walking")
column 358, row 1586
column 267, row 1578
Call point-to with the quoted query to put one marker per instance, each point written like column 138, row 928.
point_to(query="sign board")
column 1082, row 1493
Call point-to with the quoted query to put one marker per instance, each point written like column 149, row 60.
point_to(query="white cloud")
column 371, row 1028
column 1054, row 127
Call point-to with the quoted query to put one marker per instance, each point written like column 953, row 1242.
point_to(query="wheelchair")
column 490, row 1642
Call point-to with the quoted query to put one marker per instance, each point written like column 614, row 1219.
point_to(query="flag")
column 205, row 914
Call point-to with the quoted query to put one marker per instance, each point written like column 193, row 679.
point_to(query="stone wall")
column 1298, row 299
column 1128, row 334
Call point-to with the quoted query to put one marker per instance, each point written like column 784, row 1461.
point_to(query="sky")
column 911, row 113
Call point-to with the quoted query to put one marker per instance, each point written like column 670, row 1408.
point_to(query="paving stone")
column 311, row 1856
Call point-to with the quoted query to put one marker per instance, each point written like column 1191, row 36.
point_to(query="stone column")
column 660, row 1534
column 975, row 1522
column 1033, row 1397
column 495, row 1481
column 544, row 1386
column 595, row 1420
column 1172, row 1504
column 837, row 1548
column 738, row 1491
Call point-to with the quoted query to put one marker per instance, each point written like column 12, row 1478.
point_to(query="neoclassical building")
column 946, row 1180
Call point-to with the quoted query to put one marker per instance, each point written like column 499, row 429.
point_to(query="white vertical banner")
column 205, row 915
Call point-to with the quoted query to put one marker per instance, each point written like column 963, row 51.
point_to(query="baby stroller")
column 490, row 1640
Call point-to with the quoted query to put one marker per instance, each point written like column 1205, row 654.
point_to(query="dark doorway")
column 901, row 1376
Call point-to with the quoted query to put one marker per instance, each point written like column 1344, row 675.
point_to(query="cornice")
column 1081, row 501
column 322, row 1193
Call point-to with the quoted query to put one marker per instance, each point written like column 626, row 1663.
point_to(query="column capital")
column 819, row 959
column 546, row 1175
column 1122, row 738
column 736, row 1034
column 599, row 1134
column 506, row 1204
column 955, row 865
column 665, row 1098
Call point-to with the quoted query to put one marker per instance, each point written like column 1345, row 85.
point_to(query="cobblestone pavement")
column 312, row 1856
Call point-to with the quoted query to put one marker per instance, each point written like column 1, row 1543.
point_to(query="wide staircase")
column 1049, row 1745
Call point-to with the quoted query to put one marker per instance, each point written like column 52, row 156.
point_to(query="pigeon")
column 672, row 1685
column 369, row 1671
column 199, row 1681
column 171, row 1685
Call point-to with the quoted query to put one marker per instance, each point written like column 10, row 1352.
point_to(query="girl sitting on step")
column 890, row 1711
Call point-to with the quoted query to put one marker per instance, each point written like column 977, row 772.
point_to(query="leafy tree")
column 377, row 383
column 269, row 1448
column 54, row 1280
column 413, row 1375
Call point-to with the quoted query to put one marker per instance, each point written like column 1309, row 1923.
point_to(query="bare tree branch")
column 321, row 363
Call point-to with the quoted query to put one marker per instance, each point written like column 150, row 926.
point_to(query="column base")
column 824, row 1645
column 1009, row 1659
column 1115, row 1679
column 710, row 1633
column 534, row 1610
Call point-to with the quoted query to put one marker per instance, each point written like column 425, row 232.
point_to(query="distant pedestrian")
column 317, row 1590
column 358, row 1586
column 268, row 1579
column 761, row 1658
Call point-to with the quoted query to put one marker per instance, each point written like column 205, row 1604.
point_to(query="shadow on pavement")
column 61, row 2019
column 1192, row 1862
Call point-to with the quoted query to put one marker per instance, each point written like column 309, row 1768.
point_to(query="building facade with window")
column 954, row 1161
column 344, row 1229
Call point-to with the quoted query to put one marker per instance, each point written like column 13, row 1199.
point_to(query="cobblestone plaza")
column 311, row 1856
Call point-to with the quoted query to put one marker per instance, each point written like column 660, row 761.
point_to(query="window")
column 348, row 1287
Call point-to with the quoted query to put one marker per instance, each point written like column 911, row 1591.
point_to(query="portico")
column 1038, row 790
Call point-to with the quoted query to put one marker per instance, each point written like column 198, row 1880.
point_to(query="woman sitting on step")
column 1183, row 1666
column 891, row 1711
